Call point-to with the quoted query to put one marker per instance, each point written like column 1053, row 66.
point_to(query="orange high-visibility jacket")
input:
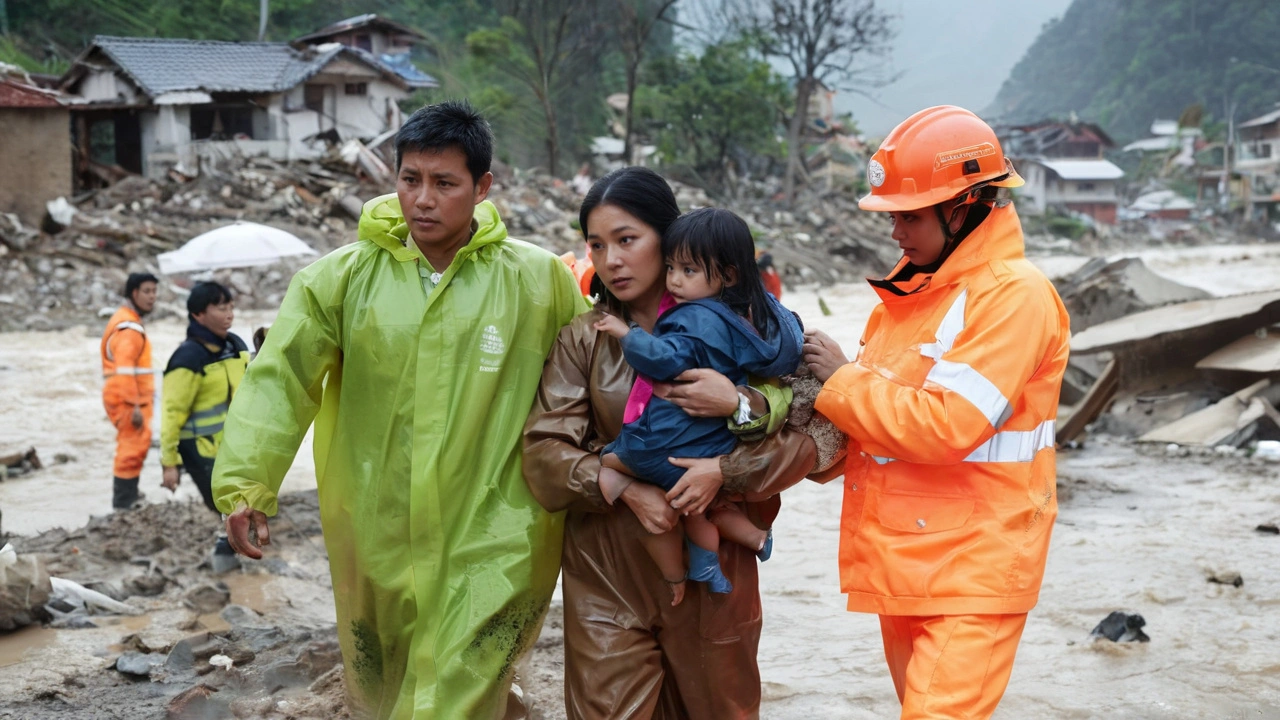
column 951, row 402
column 126, row 361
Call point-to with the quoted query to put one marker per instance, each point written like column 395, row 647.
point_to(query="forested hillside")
column 1123, row 63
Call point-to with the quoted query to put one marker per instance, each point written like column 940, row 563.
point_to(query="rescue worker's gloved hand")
column 822, row 354
column 136, row 418
column 171, row 477
column 247, row 532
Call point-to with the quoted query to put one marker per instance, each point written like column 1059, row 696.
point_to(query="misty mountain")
column 950, row 53
column 1123, row 64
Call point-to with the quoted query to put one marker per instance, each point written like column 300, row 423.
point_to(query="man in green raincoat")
column 417, row 352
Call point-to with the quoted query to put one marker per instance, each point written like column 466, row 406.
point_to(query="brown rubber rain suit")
column 628, row 653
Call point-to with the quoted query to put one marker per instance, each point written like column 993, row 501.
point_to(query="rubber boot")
column 223, row 559
column 704, row 566
column 766, row 552
column 124, row 493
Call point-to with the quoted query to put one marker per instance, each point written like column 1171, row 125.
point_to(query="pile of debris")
column 1169, row 364
column 74, row 265
column 203, row 654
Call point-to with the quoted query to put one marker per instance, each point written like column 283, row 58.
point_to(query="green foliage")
column 707, row 112
column 12, row 54
column 1124, row 64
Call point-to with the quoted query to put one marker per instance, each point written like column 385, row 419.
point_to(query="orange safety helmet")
column 933, row 156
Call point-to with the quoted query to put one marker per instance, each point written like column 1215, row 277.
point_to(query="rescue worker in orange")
column 128, row 390
column 949, row 406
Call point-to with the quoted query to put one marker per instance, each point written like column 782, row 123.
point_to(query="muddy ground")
column 1140, row 530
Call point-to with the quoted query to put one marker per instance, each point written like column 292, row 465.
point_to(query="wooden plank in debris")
column 1213, row 425
column 1255, row 353
column 1170, row 319
column 1094, row 402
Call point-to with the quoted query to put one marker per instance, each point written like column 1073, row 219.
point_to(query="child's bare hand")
column 613, row 325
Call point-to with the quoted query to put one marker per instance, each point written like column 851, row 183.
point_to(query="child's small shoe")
column 704, row 566
column 766, row 551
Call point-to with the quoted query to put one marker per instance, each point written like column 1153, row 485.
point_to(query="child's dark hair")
column 450, row 124
column 205, row 294
column 640, row 192
column 720, row 241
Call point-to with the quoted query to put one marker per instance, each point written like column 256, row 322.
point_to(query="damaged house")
column 1064, row 169
column 149, row 105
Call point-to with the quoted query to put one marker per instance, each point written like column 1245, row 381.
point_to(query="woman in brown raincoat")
column 628, row 652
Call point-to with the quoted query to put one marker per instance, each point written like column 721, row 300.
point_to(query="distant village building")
column 35, row 148
column 152, row 104
column 1257, row 160
column 1064, row 168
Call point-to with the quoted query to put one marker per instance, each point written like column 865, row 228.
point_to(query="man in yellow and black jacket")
column 199, row 382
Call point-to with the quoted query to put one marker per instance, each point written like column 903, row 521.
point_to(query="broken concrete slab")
column 1101, row 291
column 1258, row 352
column 1094, row 402
column 1227, row 422
column 1153, row 343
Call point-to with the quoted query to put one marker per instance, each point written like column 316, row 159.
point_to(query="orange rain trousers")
column 950, row 666
column 132, row 444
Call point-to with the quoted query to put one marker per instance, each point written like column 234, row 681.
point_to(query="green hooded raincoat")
column 443, row 563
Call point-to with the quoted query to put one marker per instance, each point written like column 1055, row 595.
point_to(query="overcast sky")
column 950, row 53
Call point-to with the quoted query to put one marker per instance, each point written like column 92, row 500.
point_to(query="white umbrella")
column 243, row 244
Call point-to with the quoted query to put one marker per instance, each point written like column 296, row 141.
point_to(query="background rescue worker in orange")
column 128, row 390
column 949, row 406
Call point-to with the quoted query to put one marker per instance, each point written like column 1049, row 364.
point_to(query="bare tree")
column 826, row 43
column 536, row 43
column 637, row 21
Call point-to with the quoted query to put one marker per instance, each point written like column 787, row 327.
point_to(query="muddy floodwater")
column 1139, row 530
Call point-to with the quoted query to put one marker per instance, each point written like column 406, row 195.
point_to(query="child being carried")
column 725, row 320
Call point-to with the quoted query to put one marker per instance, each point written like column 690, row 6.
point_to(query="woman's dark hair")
column 205, row 294
column 135, row 280
column 721, row 243
column 640, row 192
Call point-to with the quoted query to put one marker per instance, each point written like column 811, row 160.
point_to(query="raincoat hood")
column 382, row 223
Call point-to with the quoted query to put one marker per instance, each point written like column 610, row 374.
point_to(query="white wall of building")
column 106, row 86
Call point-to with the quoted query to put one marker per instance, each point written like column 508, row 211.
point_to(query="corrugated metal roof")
column 1267, row 119
column 160, row 65
column 1084, row 169
column 17, row 95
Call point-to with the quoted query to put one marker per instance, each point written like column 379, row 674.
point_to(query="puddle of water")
column 14, row 645
column 251, row 590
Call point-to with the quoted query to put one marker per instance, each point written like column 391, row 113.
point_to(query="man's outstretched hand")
column 247, row 532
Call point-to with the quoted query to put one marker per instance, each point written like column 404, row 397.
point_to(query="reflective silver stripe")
column 192, row 430
column 970, row 384
column 1010, row 446
column 952, row 324
column 1015, row 445
column 130, row 371
column 128, row 325
column 215, row 411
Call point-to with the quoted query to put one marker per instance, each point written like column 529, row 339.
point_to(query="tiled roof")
column 160, row 65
